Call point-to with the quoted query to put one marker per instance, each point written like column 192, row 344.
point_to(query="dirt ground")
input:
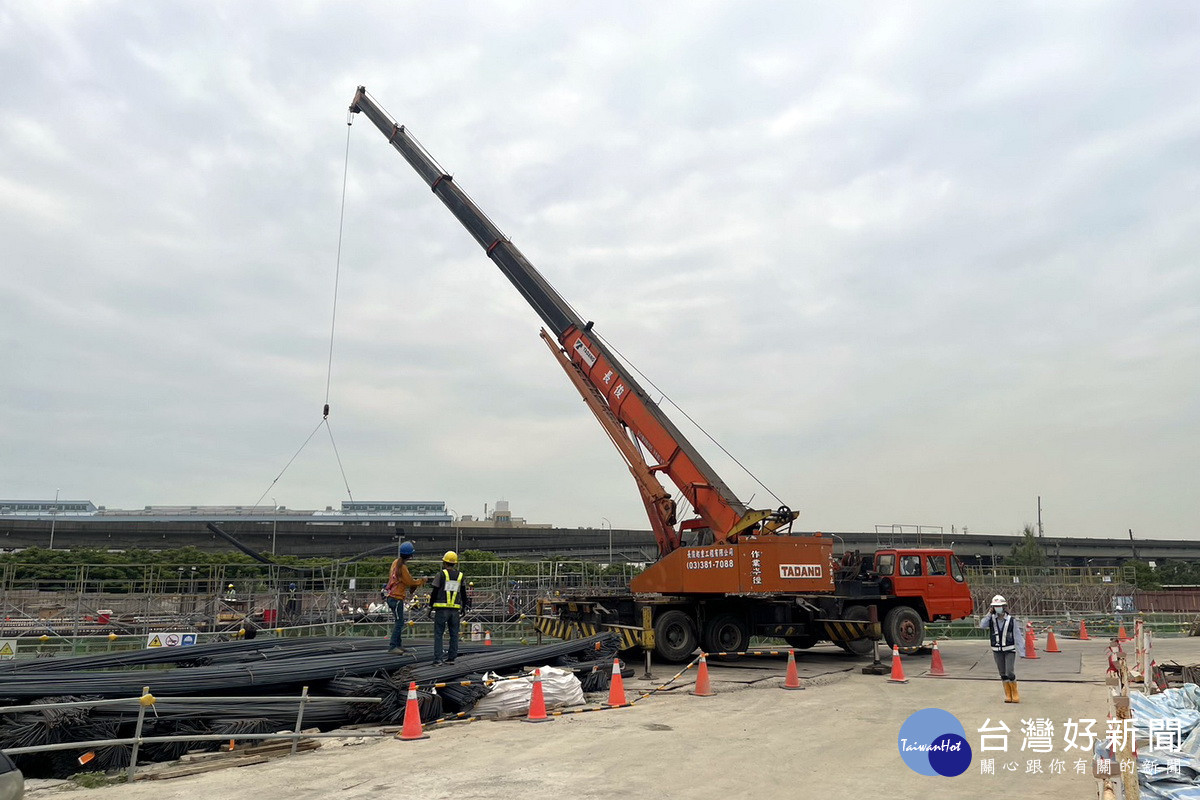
column 834, row 739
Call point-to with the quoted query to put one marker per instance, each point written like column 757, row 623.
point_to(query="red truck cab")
column 930, row 580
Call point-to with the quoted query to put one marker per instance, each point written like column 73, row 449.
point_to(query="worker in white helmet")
column 1006, row 640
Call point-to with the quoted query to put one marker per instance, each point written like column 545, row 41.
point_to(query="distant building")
column 39, row 508
column 499, row 517
column 407, row 512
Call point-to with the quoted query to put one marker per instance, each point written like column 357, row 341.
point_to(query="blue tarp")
column 1155, row 777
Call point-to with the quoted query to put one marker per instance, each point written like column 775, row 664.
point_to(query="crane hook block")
column 325, row 413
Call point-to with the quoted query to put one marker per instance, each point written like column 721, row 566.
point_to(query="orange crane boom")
column 625, row 410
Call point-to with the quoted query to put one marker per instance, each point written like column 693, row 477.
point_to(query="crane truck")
column 727, row 572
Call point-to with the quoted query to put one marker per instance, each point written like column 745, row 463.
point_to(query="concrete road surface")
column 836, row 739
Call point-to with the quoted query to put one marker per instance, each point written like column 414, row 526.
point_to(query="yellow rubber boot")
column 1016, row 696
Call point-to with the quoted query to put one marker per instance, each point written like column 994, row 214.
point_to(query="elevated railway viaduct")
column 339, row 539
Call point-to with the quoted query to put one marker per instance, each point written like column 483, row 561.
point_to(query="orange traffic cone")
column 1083, row 630
column 897, row 667
column 1030, row 644
column 487, row 638
column 793, row 677
column 1051, row 642
column 616, row 687
column 703, row 687
column 412, row 717
column 1121, row 635
column 537, row 701
column 936, row 668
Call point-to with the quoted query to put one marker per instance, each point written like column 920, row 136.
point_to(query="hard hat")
column 999, row 600
column 230, row 586
column 407, row 549
column 450, row 557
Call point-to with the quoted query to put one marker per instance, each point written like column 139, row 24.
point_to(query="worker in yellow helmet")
column 449, row 600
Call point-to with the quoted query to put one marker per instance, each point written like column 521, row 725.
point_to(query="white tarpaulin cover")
column 511, row 698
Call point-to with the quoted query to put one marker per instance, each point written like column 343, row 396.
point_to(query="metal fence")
column 52, row 603
column 106, row 606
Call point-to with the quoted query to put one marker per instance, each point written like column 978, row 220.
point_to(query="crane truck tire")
column 675, row 636
column 858, row 647
column 726, row 633
column 904, row 628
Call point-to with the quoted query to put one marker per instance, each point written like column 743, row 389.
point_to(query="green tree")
column 1179, row 573
column 1028, row 553
column 1144, row 576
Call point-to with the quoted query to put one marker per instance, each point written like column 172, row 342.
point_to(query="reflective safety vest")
column 450, row 587
column 1002, row 634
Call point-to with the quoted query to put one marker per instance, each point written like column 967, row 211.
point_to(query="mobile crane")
column 743, row 571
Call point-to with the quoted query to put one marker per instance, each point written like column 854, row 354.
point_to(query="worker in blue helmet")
column 400, row 584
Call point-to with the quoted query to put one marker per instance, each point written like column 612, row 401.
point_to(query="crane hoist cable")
column 337, row 274
column 686, row 415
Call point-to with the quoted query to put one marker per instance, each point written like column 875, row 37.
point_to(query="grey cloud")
column 910, row 264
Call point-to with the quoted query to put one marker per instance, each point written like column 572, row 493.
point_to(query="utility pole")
column 274, row 523
column 1039, row 516
column 610, row 547
column 54, row 517
column 1132, row 546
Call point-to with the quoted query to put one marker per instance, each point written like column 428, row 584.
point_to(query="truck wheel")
column 903, row 627
column 858, row 647
column 674, row 636
column 726, row 633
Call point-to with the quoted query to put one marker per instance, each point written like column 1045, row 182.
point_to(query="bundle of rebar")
column 250, row 687
column 457, row 698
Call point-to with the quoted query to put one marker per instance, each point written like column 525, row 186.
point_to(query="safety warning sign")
column 170, row 640
column 8, row 649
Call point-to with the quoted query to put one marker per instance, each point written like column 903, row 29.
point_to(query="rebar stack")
column 249, row 687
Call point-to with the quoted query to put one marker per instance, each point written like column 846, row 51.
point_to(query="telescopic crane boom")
column 620, row 404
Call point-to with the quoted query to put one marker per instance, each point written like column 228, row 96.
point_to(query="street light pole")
column 610, row 547
column 454, row 522
column 274, row 523
column 53, row 517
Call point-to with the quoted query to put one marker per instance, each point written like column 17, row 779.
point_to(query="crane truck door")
column 938, row 584
column 946, row 592
column 910, row 579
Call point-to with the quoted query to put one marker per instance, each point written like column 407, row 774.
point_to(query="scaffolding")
column 82, row 602
column 1062, row 592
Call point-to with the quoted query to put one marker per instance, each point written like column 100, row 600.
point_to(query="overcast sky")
column 909, row 263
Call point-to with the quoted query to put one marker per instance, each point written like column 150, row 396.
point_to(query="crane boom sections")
column 715, row 504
